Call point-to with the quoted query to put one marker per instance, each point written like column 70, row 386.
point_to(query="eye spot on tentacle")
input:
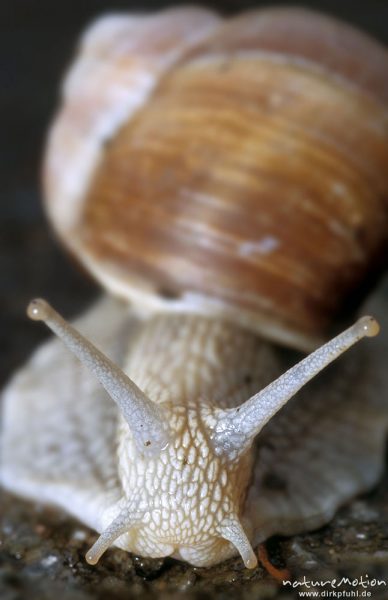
column 38, row 309
column 369, row 326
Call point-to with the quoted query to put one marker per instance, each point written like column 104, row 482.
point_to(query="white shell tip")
column 38, row 309
column 369, row 326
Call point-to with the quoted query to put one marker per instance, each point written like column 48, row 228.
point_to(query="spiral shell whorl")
column 252, row 183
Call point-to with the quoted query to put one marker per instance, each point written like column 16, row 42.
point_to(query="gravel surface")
column 42, row 557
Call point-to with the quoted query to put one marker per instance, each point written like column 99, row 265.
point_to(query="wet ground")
column 42, row 558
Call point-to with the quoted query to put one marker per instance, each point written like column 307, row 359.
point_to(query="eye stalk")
column 237, row 427
column 142, row 415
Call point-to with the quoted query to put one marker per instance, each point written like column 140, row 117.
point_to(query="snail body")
column 175, row 471
column 190, row 460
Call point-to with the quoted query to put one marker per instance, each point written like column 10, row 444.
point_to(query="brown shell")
column 253, row 181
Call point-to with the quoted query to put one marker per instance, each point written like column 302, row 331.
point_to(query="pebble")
column 80, row 535
column 187, row 581
column 49, row 561
column 40, row 529
column 360, row 511
column 7, row 529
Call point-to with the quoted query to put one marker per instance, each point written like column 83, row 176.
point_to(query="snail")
column 227, row 179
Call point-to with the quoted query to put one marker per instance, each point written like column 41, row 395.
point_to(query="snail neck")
column 189, row 359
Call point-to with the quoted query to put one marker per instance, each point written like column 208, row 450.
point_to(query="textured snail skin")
column 218, row 486
column 197, row 458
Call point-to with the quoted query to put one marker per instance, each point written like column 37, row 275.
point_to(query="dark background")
column 37, row 40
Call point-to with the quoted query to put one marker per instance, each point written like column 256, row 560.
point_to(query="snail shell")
column 222, row 176
column 212, row 193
